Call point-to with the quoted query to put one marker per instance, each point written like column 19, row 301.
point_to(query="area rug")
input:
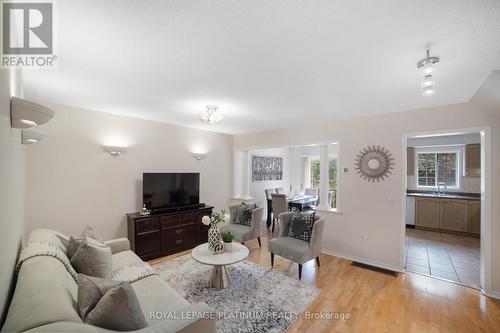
column 258, row 300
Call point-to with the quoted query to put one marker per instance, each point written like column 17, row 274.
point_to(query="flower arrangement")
column 215, row 218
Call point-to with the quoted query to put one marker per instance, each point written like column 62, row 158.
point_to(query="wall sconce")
column 199, row 157
column 114, row 150
column 26, row 114
column 31, row 137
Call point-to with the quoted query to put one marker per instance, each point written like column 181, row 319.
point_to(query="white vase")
column 215, row 244
column 228, row 246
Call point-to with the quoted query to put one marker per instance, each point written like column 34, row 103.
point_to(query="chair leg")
column 300, row 271
column 272, row 259
column 317, row 261
column 272, row 230
column 258, row 239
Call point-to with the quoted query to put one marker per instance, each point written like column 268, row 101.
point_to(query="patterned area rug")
column 258, row 300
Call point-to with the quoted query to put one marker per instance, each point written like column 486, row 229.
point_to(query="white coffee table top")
column 237, row 253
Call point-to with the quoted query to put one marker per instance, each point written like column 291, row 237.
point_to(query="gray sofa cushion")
column 109, row 304
column 74, row 243
column 93, row 259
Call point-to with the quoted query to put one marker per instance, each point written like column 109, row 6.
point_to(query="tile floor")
column 451, row 257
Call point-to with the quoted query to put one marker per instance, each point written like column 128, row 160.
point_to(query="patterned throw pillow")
column 302, row 225
column 244, row 214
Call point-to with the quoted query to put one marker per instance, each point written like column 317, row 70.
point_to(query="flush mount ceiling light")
column 211, row 115
column 26, row 114
column 426, row 67
column 31, row 137
column 114, row 150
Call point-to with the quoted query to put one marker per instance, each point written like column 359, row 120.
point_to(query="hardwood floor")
column 379, row 302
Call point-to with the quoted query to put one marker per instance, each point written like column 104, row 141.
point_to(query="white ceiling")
column 266, row 63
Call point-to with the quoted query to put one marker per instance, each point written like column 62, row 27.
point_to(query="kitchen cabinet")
column 475, row 217
column 427, row 212
column 410, row 161
column 454, row 215
column 473, row 160
column 448, row 215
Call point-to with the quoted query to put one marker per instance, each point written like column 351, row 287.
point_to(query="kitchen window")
column 438, row 167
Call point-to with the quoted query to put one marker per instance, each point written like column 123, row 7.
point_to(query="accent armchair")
column 242, row 232
column 294, row 249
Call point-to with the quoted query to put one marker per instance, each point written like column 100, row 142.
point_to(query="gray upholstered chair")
column 268, row 192
column 242, row 232
column 279, row 204
column 280, row 190
column 294, row 249
column 313, row 192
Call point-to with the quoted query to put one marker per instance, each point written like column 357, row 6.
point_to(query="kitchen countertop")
column 458, row 196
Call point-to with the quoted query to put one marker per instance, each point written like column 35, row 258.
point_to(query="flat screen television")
column 170, row 190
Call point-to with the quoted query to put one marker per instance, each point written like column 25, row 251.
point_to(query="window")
column 438, row 167
column 315, row 167
column 332, row 178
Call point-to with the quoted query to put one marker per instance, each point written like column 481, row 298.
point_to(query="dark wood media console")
column 162, row 234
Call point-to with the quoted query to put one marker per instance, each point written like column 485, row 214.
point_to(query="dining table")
column 300, row 202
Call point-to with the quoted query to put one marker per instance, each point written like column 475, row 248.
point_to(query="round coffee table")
column 220, row 276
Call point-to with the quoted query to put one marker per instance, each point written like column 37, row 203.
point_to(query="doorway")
column 444, row 200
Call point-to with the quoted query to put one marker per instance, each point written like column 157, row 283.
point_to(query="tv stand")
column 176, row 209
column 167, row 232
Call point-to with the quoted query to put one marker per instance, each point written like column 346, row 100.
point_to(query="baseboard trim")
column 364, row 261
column 493, row 294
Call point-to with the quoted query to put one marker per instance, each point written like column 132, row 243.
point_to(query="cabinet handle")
column 178, row 241
column 178, row 231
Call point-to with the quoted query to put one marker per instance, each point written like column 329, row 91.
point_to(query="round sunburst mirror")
column 374, row 163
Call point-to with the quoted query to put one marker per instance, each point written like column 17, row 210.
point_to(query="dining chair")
column 280, row 190
column 279, row 205
column 268, row 193
column 313, row 192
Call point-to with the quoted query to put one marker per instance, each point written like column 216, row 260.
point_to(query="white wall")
column 376, row 208
column 72, row 182
column 11, row 188
column 256, row 189
column 467, row 184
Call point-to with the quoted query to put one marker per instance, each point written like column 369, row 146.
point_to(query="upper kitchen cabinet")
column 410, row 159
column 473, row 160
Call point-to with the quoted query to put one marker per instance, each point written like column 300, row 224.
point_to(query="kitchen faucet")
column 441, row 185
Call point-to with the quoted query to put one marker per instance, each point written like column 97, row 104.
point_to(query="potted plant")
column 215, row 244
column 227, row 237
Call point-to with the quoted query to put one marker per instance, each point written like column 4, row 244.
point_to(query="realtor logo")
column 27, row 34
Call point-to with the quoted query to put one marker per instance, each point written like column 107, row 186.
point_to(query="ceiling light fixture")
column 211, row 115
column 426, row 67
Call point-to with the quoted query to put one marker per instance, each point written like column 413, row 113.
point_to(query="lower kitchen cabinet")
column 453, row 215
column 427, row 212
column 475, row 217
